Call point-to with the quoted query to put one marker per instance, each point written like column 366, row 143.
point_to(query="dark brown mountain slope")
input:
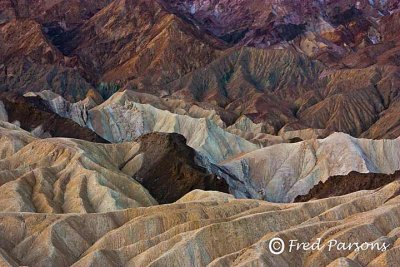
column 258, row 83
column 126, row 41
column 29, row 62
column 388, row 124
column 139, row 40
column 353, row 100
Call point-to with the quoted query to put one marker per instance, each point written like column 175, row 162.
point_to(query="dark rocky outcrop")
column 346, row 184
column 169, row 169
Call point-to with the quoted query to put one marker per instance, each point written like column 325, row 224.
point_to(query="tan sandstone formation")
column 209, row 229
column 59, row 175
column 65, row 175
